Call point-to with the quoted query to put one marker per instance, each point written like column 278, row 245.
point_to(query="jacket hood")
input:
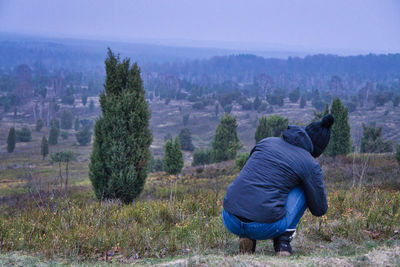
column 297, row 136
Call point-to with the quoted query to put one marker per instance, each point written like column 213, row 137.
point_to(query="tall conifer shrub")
column 120, row 156
column 173, row 158
column 226, row 142
column 339, row 143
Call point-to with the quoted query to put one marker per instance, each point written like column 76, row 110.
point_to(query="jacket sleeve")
column 314, row 190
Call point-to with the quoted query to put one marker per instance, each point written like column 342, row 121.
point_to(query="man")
column 280, row 180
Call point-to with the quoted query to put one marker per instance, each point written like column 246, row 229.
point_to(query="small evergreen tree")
column 168, row 155
column 372, row 142
column 276, row 98
column 201, row 157
column 53, row 137
column 84, row 136
column 121, row 149
column 173, row 158
column 294, row 95
column 225, row 143
column 84, row 99
column 178, row 153
column 44, row 147
column 241, row 160
column 66, row 119
column 24, row 135
column 270, row 126
column 11, row 140
column 303, row 101
column 185, row 137
column 68, row 98
column 39, row 125
column 339, row 143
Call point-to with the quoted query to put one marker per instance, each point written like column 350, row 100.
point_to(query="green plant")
column 273, row 125
column 241, row 160
column 201, row 157
column 185, row 138
column 276, row 98
column 84, row 98
column 225, row 143
column 303, row 101
column 294, row 95
column 339, row 143
column 372, row 141
column 119, row 161
column 66, row 119
column 11, row 140
column 56, row 124
column 39, row 125
column 53, row 137
column 84, row 136
column 44, row 147
column 23, row 135
column 173, row 158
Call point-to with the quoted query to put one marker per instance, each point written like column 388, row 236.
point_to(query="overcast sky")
column 327, row 26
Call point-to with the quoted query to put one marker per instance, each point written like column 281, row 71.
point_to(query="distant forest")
column 48, row 69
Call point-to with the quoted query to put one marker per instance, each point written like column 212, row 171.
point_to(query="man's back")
column 275, row 166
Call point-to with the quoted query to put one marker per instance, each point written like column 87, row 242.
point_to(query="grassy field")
column 176, row 220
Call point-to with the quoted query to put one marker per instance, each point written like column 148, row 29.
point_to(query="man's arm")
column 314, row 190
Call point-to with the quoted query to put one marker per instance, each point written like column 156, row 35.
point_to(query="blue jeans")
column 295, row 207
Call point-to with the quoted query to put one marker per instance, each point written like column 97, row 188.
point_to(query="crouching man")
column 279, row 181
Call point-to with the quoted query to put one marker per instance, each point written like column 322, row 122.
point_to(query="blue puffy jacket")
column 275, row 166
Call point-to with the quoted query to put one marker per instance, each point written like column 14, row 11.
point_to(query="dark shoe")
column 282, row 244
column 247, row 245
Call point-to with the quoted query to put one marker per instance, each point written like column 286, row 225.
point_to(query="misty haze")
column 206, row 133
